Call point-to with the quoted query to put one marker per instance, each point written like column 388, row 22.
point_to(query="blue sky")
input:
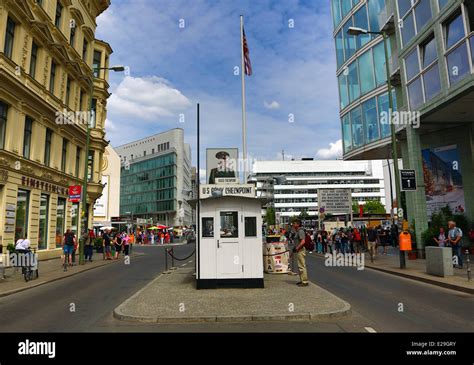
column 173, row 68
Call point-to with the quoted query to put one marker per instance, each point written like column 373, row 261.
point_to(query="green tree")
column 303, row 214
column 270, row 216
column 370, row 206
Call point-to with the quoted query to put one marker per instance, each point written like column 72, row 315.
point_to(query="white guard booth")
column 229, row 247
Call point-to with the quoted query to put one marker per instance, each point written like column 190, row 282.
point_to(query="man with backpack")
column 300, row 250
column 455, row 241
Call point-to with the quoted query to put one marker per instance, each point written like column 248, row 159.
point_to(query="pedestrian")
column 89, row 239
column 455, row 240
column 107, row 245
column 118, row 246
column 324, row 239
column 441, row 239
column 126, row 244
column 372, row 238
column 162, row 238
column 300, row 251
column 356, row 240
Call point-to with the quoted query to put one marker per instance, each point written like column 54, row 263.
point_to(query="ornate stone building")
column 48, row 52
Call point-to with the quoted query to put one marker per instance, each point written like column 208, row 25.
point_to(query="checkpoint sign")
column 408, row 180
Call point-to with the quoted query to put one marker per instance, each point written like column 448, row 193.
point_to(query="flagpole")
column 244, row 117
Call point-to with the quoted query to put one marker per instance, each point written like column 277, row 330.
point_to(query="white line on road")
column 370, row 329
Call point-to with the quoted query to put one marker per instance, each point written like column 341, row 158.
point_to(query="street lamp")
column 356, row 31
column 86, row 162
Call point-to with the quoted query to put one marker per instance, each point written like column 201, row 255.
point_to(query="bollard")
column 172, row 259
column 468, row 266
column 166, row 259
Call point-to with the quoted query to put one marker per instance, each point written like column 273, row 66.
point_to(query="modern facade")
column 47, row 52
column 108, row 205
column 298, row 192
column 434, row 43
column 155, row 178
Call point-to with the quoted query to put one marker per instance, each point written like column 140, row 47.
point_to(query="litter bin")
column 275, row 256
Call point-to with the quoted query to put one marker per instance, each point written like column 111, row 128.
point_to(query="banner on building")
column 101, row 204
column 443, row 179
column 221, row 165
column 75, row 193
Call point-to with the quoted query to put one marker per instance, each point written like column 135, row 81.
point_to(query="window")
column 208, row 227
column 93, row 113
column 470, row 14
column 144, row 153
column 339, row 48
column 357, row 127
column 422, row 73
column 366, row 73
column 43, row 222
column 379, row 64
column 47, row 147
column 414, row 15
column 22, row 209
column 9, row 38
column 96, row 63
column 345, row 7
column 408, row 29
column 422, row 13
column 152, row 151
column 412, row 65
column 68, row 91
column 78, row 160
column 346, row 133
column 432, row 82
column 27, row 137
column 454, row 31
column 349, row 40
column 336, row 12
column 377, row 14
column 52, row 77
column 229, row 225
column 33, row 59
column 59, row 13
column 60, row 220
column 85, row 45
column 458, row 64
column 353, row 82
column 81, row 100
column 442, row 3
column 415, row 93
column 3, row 123
column 64, row 155
column 72, row 36
column 371, row 127
column 74, row 217
column 250, row 226
column 428, row 51
column 343, row 93
column 361, row 21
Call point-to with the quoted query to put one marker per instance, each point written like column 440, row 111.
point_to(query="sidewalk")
column 49, row 271
column 173, row 298
column 416, row 270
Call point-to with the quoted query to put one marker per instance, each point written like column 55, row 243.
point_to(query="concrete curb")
column 424, row 280
column 416, row 278
column 14, row 291
column 118, row 314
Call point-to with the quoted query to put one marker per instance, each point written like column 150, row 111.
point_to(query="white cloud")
column 273, row 105
column 110, row 126
column 334, row 151
column 147, row 98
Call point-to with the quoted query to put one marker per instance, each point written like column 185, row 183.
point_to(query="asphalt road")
column 84, row 303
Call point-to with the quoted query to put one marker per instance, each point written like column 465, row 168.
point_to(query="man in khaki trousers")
column 300, row 251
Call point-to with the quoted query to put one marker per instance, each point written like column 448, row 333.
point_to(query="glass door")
column 229, row 249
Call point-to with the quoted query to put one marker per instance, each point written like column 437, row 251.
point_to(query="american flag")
column 248, row 65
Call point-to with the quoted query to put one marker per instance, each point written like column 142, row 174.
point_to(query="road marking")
column 370, row 329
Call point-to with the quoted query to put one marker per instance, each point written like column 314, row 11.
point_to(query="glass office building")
column 361, row 72
column 432, row 66
column 156, row 178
